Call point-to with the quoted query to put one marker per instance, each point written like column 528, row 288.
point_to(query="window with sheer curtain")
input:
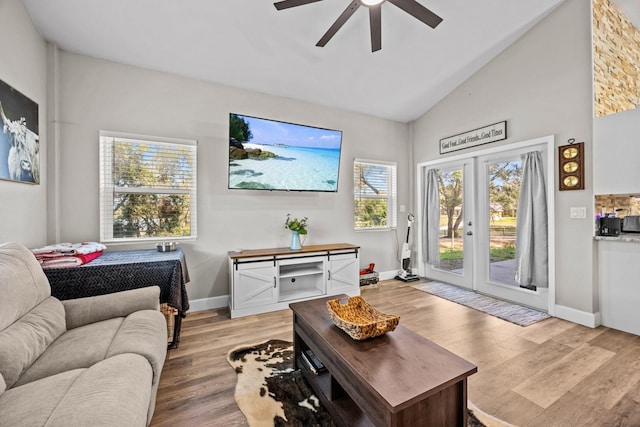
column 147, row 188
column 374, row 195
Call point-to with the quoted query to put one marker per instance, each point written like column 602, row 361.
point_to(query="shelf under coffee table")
column 397, row 379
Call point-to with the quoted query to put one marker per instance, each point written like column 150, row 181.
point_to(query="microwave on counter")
column 609, row 226
column 631, row 224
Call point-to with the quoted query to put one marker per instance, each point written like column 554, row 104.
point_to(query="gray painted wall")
column 542, row 86
column 24, row 67
column 99, row 95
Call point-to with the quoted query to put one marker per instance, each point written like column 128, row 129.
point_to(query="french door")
column 479, row 196
column 499, row 177
column 455, row 239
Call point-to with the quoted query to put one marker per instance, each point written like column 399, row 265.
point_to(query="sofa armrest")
column 82, row 311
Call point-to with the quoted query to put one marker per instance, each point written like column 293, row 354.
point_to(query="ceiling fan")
column 412, row 7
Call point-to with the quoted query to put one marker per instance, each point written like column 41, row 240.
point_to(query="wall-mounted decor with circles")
column 571, row 166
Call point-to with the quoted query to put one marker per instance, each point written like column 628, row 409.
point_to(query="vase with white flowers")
column 298, row 227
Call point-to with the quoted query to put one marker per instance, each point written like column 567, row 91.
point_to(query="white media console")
column 264, row 280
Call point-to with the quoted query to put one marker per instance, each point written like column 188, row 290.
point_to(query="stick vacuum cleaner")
column 405, row 273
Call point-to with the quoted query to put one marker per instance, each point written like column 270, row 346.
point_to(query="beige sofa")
column 85, row 362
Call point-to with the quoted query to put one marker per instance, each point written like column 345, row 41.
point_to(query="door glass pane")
column 451, row 221
column 504, row 191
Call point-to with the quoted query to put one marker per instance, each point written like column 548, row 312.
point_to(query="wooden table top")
column 254, row 253
column 401, row 366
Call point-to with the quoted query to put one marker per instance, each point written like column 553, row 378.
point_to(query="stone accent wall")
column 609, row 203
column 616, row 60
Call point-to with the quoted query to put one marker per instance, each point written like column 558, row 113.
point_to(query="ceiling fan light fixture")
column 371, row 2
column 412, row 7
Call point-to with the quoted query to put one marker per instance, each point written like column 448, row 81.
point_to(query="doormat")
column 269, row 392
column 520, row 315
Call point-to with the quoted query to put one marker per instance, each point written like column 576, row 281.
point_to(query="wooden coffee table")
column 397, row 379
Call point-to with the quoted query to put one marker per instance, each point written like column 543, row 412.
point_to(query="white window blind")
column 147, row 188
column 374, row 195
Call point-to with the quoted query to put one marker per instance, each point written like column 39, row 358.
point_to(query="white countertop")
column 623, row 237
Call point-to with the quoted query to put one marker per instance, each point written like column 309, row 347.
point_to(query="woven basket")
column 359, row 320
column 170, row 314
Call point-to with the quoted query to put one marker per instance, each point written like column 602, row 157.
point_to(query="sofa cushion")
column 32, row 404
column 22, row 343
column 82, row 311
column 114, row 392
column 3, row 386
column 77, row 348
column 23, row 284
column 144, row 333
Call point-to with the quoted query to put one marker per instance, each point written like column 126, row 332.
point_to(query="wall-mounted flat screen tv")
column 272, row 155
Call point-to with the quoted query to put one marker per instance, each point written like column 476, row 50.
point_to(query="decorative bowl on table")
column 167, row 246
column 360, row 320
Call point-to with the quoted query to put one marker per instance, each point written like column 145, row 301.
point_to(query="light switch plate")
column 578, row 213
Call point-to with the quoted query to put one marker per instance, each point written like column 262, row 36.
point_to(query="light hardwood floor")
column 552, row 373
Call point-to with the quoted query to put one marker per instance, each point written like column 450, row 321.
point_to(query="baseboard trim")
column 211, row 303
column 591, row 320
column 387, row 275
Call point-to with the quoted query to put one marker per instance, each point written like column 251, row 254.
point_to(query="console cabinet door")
column 254, row 285
column 343, row 274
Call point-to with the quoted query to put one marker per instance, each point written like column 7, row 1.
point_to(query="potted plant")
column 297, row 227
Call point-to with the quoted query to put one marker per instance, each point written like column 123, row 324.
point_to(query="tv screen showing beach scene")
column 273, row 155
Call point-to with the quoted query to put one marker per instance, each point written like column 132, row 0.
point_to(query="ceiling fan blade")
column 286, row 4
column 353, row 6
column 418, row 11
column 375, row 22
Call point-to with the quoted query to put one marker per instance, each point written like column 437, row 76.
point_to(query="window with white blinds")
column 147, row 188
column 374, row 195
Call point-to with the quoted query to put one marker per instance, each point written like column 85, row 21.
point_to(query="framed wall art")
column 571, row 166
column 19, row 137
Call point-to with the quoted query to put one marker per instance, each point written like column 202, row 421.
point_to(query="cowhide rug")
column 269, row 392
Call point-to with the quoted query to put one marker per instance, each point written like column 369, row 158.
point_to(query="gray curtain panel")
column 531, row 233
column 431, row 217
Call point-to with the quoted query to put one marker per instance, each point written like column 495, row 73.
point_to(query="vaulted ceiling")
column 249, row 44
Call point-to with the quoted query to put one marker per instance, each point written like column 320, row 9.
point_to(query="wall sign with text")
column 472, row 138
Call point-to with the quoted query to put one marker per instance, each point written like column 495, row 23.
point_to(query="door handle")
column 274, row 281
column 469, row 233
